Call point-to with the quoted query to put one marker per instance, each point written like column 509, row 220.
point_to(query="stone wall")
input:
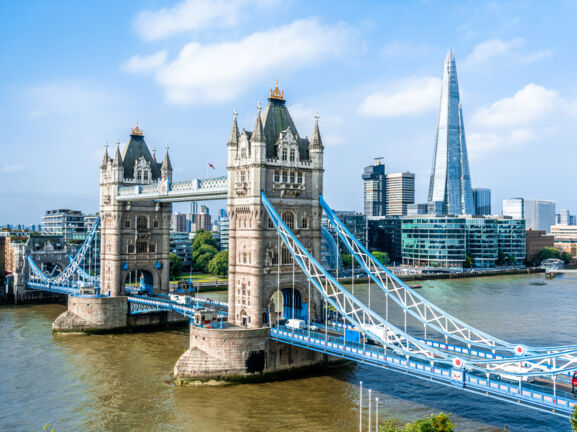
column 237, row 352
column 92, row 314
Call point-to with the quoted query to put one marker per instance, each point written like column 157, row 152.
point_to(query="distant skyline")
column 77, row 74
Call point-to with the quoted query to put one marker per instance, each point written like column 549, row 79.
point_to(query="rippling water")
column 123, row 382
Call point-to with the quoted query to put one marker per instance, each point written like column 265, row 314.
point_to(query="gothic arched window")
column 288, row 218
column 142, row 222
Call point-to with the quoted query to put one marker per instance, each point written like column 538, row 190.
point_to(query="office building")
column 64, row 222
column 482, row 241
column 181, row 246
column 511, row 238
column 356, row 223
column 399, row 193
column 540, row 214
column 450, row 182
column 535, row 242
column 178, row 222
column 374, row 189
column 482, row 201
column 417, row 209
column 384, row 235
column 514, row 208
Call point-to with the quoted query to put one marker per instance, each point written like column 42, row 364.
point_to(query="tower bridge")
column 274, row 198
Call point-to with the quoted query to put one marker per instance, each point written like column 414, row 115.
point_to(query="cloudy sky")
column 77, row 74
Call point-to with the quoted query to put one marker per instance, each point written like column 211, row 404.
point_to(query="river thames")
column 122, row 382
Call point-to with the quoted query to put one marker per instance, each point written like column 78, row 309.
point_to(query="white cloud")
column 405, row 97
column 525, row 107
column 492, row 49
column 195, row 15
column 515, row 121
column 11, row 168
column 144, row 64
column 221, row 71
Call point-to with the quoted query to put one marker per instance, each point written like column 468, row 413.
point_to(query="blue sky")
column 75, row 74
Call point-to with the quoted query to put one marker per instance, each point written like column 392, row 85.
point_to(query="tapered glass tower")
column 450, row 178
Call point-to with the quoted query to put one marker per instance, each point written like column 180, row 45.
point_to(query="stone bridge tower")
column 134, row 236
column 275, row 159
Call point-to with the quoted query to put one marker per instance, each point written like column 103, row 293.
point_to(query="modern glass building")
column 482, row 201
column 445, row 241
column 540, row 214
column 400, row 192
column 482, row 241
column 434, row 241
column 65, row 222
column 511, row 238
column 375, row 193
column 450, row 177
column 514, row 208
column 384, row 235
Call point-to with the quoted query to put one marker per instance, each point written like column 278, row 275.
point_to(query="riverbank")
column 462, row 275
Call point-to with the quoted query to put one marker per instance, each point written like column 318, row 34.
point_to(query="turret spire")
column 117, row 156
column 105, row 158
column 166, row 168
column 234, row 134
column 316, row 141
column 257, row 133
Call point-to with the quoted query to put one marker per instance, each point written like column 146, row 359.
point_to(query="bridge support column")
column 237, row 354
column 93, row 314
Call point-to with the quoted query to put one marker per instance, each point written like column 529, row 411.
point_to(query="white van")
column 297, row 324
column 515, row 369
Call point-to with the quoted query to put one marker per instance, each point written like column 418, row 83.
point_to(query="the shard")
column 450, row 186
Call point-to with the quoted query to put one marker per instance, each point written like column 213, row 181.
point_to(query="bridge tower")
column 264, row 284
column 135, row 237
column 275, row 159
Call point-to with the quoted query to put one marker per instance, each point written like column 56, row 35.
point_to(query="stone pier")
column 110, row 314
column 236, row 354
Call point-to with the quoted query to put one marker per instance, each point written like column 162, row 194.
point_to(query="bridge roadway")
column 540, row 396
column 144, row 304
column 164, row 191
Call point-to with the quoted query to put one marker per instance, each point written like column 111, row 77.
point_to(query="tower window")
column 127, row 223
column 131, row 248
column 270, row 223
column 277, row 176
column 141, row 247
column 142, row 222
column 305, row 223
column 284, row 176
column 292, row 156
column 286, row 255
column 284, row 154
column 139, row 175
column 145, row 176
column 152, row 247
column 289, row 219
column 292, row 177
column 155, row 224
column 300, row 178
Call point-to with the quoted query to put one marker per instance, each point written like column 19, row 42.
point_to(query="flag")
column 211, row 165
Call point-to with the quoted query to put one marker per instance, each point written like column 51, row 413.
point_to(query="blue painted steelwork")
column 164, row 191
column 561, row 403
column 143, row 304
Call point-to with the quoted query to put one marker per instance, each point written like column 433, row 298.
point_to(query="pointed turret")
column 117, row 156
column 257, row 133
column 166, row 168
column 316, row 141
column 234, row 134
column 105, row 159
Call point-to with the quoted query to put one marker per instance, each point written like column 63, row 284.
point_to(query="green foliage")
column 433, row 423
column 468, row 261
column 566, row 257
column 202, row 256
column 548, row 252
column 175, row 265
column 382, row 257
column 347, row 260
column 501, row 258
column 573, row 419
column 511, row 260
column 204, row 248
column 203, row 237
column 218, row 265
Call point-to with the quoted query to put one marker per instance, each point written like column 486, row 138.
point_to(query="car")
column 313, row 327
column 515, row 369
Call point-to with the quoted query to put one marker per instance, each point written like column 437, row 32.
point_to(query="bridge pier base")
column 237, row 354
column 92, row 314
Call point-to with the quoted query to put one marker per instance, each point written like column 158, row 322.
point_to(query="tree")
column 573, row 419
column 202, row 256
column 218, row 265
column 433, row 423
column 501, row 258
column 347, row 260
column 566, row 257
column 468, row 261
column 382, row 257
column 511, row 260
column 175, row 265
column 203, row 237
column 548, row 252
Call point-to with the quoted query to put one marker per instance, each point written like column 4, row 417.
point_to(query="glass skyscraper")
column 450, row 178
column 375, row 190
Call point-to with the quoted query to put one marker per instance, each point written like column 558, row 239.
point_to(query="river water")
column 122, row 382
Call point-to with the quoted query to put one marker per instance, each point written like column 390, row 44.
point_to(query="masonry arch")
column 140, row 281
